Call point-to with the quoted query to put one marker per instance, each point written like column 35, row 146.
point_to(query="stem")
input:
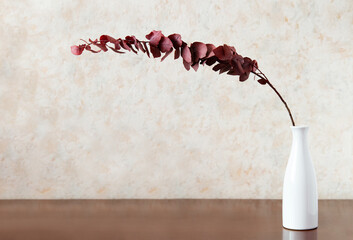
column 278, row 94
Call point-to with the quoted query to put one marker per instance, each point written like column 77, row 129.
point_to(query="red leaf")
column 155, row 51
column 210, row 61
column 105, row 39
column 154, row 37
column 176, row 40
column 140, row 47
column 262, row 81
column 210, row 48
column 186, row 65
column 77, row 50
column 100, row 45
column 198, row 50
column 115, row 50
column 234, row 71
column 146, row 48
column 224, row 69
column 224, row 52
column 88, row 48
column 244, row 76
column 186, row 53
column 218, row 67
column 124, row 45
column 177, row 53
column 131, row 39
column 195, row 66
column 167, row 54
column 165, row 45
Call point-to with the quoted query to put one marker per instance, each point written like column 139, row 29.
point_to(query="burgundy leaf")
column 177, row 53
column 234, row 71
column 155, row 51
column 195, row 66
column 132, row 48
column 186, row 65
column 218, row 67
column 146, row 48
column 88, row 48
column 224, row 52
column 154, row 37
column 115, row 50
column 77, row 50
column 210, row 48
column 117, row 45
column 140, row 47
column 198, row 50
column 225, row 69
column 105, row 39
column 124, row 45
column 167, row 54
column 176, row 40
column 165, row 45
column 131, row 39
column 262, row 81
column 244, row 76
column 100, row 45
column 186, row 53
column 210, row 61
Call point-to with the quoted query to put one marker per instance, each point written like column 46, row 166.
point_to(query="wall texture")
column 125, row 126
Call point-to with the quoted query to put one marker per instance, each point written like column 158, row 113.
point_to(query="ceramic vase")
column 300, row 200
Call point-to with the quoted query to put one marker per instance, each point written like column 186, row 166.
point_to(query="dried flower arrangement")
column 226, row 57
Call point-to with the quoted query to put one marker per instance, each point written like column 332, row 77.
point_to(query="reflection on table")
column 299, row 235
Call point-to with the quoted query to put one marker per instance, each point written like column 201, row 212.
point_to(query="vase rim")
column 300, row 126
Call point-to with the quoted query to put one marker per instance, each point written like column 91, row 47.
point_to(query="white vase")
column 300, row 201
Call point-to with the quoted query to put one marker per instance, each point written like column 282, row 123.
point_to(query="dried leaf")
column 225, row 69
column 154, row 37
column 210, row 61
column 198, row 50
column 165, row 45
column 88, row 48
column 140, row 47
column 234, row 71
column 244, row 76
column 155, row 51
column 124, row 45
column 210, row 48
column 176, row 40
column 100, row 45
column 131, row 40
column 177, row 53
column 262, row 81
column 77, row 50
column 186, row 53
column 186, row 65
column 146, row 48
column 218, row 67
column 105, row 39
column 167, row 54
column 224, row 52
column 115, row 50
column 195, row 66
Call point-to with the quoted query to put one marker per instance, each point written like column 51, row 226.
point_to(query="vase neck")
column 300, row 134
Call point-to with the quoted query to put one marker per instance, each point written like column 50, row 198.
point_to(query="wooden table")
column 165, row 220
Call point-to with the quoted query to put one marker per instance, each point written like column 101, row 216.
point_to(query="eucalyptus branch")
column 225, row 57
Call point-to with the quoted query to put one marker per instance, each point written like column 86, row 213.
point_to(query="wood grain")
column 165, row 219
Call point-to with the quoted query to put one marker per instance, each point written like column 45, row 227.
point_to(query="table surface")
column 165, row 220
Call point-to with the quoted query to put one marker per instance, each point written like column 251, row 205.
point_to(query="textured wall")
column 125, row 126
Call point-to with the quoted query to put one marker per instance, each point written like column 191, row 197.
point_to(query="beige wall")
column 125, row 126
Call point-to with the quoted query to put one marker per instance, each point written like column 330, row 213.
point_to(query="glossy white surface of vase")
column 300, row 200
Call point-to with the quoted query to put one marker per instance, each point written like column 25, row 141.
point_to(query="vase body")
column 300, row 200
